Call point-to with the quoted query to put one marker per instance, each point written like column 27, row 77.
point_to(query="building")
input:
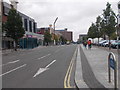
column 43, row 30
column 68, row 35
column 82, row 38
column 31, row 39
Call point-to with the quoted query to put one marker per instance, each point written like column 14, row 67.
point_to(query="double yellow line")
column 69, row 71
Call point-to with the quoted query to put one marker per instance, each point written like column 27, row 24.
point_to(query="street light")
column 54, row 29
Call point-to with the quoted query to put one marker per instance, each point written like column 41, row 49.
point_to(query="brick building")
column 68, row 35
column 43, row 30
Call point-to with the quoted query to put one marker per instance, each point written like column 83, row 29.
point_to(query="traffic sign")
column 112, row 63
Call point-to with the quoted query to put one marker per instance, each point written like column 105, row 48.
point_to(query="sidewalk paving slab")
column 88, row 74
column 98, row 60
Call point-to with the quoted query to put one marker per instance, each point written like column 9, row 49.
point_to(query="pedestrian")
column 89, row 44
column 85, row 44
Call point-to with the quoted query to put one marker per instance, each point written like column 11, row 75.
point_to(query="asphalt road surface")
column 45, row 67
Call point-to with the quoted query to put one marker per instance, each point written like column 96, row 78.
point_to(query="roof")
column 60, row 30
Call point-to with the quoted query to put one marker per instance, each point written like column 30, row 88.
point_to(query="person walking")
column 89, row 44
column 85, row 44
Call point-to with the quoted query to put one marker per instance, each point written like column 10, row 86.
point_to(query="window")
column 30, row 26
column 34, row 27
column 25, row 24
column 118, row 6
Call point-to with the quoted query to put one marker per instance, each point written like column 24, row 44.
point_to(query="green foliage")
column 84, row 38
column 113, row 36
column 109, row 20
column 104, row 26
column 63, row 40
column 56, row 38
column 13, row 26
column 92, row 31
column 98, row 27
column 47, row 37
column 3, row 27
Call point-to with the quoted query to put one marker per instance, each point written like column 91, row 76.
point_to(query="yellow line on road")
column 70, row 74
column 69, row 71
column 65, row 80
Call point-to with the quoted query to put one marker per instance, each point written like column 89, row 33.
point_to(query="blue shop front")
column 31, row 40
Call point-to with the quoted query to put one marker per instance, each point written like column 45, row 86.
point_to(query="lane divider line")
column 10, row 63
column 44, row 56
column 13, row 70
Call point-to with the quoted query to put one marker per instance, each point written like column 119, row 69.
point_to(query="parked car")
column 115, row 44
column 102, row 42
column 107, row 43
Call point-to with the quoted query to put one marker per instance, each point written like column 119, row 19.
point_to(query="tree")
column 92, row 31
column 56, row 39
column 113, row 36
column 110, row 21
column 13, row 26
column 63, row 40
column 98, row 27
column 102, row 24
column 47, row 37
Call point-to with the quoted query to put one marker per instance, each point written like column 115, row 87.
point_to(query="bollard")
column 112, row 64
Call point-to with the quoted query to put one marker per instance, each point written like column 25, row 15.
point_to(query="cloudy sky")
column 76, row 15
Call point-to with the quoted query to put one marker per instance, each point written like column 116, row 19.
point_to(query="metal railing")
column 112, row 64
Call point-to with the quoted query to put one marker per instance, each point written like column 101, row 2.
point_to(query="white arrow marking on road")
column 10, row 62
column 50, row 63
column 41, row 70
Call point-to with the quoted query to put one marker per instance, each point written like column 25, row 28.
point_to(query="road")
column 45, row 67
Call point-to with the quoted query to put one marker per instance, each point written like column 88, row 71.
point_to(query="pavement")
column 92, row 68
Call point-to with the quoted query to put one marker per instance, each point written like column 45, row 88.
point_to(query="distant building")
column 31, row 39
column 43, row 30
column 68, row 35
column 82, row 38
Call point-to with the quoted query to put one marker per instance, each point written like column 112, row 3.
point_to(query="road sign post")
column 112, row 64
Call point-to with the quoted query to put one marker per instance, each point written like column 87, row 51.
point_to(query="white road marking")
column 13, row 70
column 14, row 61
column 44, row 56
column 50, row 63
column 41, row 70
column 10, row 63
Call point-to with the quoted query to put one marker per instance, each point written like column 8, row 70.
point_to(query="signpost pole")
column 109, row 73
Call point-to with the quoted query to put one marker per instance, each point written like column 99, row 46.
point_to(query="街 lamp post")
column 54, row 29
